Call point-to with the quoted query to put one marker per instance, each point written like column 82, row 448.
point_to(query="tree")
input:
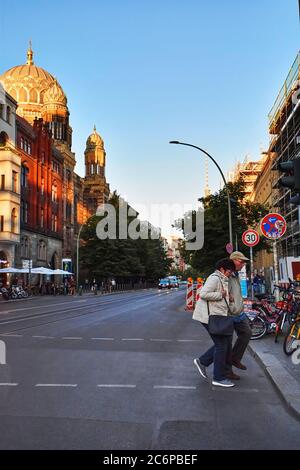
column 245, row 214
column 125, row 260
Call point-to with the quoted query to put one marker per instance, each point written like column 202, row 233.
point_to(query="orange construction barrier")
column 189, row 295
column 199, row 287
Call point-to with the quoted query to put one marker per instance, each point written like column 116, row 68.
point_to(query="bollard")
column 80, row 290
column 95, row 289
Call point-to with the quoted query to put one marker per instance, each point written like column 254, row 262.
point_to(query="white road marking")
column 116, row 386
column 71, row 337
column 237, row 390
column 11, row 335
column 43, row 337
column 56, row 385
column 178, row 387
column 104, row 339
column 8, row 384
column 133, row 339
column 160, row 340
column 41, row 306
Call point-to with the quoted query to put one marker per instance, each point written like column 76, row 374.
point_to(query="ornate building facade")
column 10, row 165
column 53, row 201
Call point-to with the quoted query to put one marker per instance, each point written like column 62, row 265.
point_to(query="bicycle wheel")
column 293, row 335
column 258, row 327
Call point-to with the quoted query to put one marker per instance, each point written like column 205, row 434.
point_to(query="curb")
column 286, row 385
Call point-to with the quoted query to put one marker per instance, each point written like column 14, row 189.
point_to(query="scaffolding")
column 284, row 96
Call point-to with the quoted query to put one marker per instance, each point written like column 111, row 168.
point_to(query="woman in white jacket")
column 215, row 301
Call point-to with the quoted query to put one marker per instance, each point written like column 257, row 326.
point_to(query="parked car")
column 164, row 284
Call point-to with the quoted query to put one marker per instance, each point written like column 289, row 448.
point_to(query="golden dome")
column 55, row 95
column 28, row 83
column 94, row 140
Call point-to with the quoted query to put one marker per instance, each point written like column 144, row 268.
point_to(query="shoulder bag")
column 220, row 324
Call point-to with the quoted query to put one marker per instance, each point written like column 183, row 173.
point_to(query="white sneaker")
column 201, row 368
column 223, row 383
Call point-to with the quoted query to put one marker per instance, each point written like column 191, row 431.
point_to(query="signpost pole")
column 276, row 269
column 251, row 272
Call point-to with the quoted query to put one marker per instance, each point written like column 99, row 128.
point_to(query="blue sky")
column 149, row 71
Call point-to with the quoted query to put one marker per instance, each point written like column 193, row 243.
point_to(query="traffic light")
column 292, row 174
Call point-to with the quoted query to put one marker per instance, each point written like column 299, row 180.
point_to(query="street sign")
column 27, row 263
column 250, row 237
column 229, row 248
column 273, row 226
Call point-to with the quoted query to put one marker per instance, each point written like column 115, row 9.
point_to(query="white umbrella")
column 41, row 270
column 10, row 270
column 61, row 271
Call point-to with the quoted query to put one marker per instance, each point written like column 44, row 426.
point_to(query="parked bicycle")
column 292, row 337
column 269, row 316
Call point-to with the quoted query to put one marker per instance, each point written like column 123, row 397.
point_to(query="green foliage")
column 245, row 214
column 124, row 260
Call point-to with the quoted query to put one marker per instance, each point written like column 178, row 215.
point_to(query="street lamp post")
column 223, row 177
column 77, row 258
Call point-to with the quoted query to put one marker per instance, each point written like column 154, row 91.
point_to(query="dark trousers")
column 219, row 354
column 243, row 332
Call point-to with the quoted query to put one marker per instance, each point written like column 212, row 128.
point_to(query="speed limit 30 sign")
column 250, row 237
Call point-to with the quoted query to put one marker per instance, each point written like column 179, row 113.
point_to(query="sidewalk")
column 279, row 368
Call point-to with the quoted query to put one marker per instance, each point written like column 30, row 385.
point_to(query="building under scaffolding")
column 248, row 171
column 284, row 128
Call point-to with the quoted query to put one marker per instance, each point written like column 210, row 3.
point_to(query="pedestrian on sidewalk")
column 241, row 322
column 215, row 301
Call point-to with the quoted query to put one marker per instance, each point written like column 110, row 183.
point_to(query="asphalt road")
column 117, row 372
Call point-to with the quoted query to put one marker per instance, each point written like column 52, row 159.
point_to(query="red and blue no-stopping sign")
column 273, row 226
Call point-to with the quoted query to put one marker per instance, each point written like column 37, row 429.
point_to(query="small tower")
column 96, row 190
column 206, row 187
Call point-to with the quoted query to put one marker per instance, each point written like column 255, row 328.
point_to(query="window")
column 54, row 223
column 24, row 212
column 22, row 143
column 68, row 176
column 14, row 220
column 1, row 110
column 54, row 193
column 29, row 148
column 24, row 247
column 3, row 139
column 8, row 114
column 42, row 217
column 42, row 185
column 43, row 158
column 24, row 176
column 2, row 184
column 42, row 250
column 1, row 223
column 14, row 186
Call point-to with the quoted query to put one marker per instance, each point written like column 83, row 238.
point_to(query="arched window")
column 8, row 114
column 24, row 247
column 22, row 143
column 14, row 220
column 42, row 250
column 23, row 95
column 24, row 176
column 33, row 96
column 1, row 110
